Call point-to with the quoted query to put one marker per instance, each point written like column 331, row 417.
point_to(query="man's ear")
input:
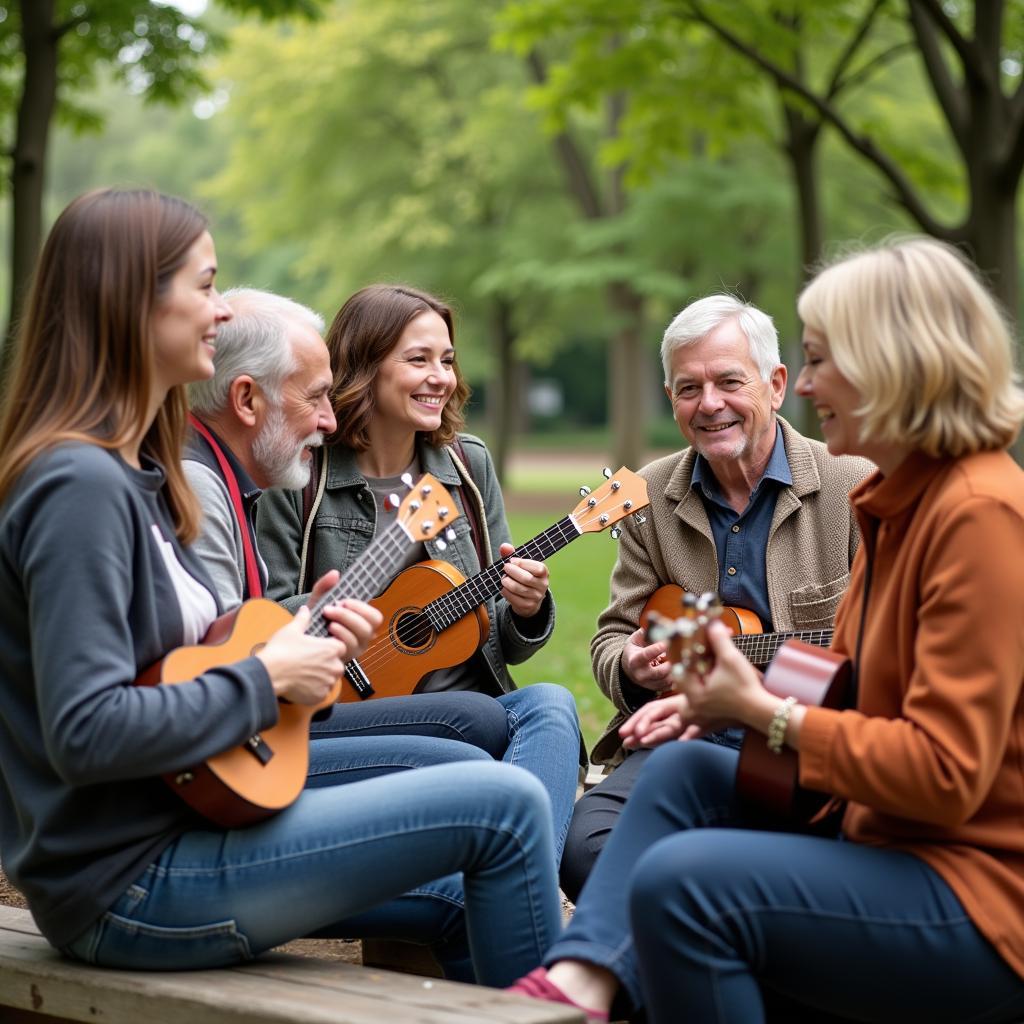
column 245, row 400
column 778, row 386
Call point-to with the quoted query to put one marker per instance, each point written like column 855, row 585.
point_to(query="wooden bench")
column 39, row 986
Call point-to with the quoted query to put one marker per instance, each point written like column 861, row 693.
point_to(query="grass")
column 579, row 582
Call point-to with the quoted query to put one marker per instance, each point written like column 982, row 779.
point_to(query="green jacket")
column 344, row 524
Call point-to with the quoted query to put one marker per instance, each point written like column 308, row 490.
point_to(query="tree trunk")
column 801, row 148
column 627, row 368
column 28, row 165
column 991, row 230
column 504, row 392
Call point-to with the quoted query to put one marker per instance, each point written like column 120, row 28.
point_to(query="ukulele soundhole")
column 413, row 631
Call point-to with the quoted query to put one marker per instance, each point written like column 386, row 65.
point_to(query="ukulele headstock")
column 623, row 493
column 686, row 635
column 426, row 510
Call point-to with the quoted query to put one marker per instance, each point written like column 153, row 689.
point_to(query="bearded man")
column 253, row 425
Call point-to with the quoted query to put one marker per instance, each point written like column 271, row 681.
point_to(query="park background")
column 569, row 173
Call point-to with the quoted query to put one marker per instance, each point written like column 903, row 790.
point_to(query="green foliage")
column 153, row 49
column 407, row 153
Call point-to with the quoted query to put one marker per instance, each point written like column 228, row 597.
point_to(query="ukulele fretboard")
column 447, row 609
column 760, row 648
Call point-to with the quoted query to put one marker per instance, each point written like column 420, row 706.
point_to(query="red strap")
column 252, row 572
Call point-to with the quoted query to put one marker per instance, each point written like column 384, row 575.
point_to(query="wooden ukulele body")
column 406, row 648
column 769, row 783
column 247, row 783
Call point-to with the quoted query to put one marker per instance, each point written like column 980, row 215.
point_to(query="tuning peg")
column 391, row 502
column 406, row 479
column 627, row 504
column 584, row 491
column 615, row 533
column 606, row 473
column 441, row 546
column 425, row 491
column 639, row 518
column 603, row 518
column 427, row 526
column 449, row 534
column 443, row 512
column 414, row 506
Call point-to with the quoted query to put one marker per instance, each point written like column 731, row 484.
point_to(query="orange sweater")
column 932, row 759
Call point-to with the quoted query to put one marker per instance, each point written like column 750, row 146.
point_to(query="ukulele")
column 767, row 783
column 265, row 774
column 758, row 647
column 436, row 618
column 685, row 637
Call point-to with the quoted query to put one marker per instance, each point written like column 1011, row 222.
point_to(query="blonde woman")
column 917, row 911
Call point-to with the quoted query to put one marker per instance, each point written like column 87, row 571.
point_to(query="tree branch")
column 933, row 10
column 578, row 177
column 61, row 30
column 868, row 68
column 835, row 83
column 904, row 191
column 947, row 92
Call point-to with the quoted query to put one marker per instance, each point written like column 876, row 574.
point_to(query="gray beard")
column 279, row 456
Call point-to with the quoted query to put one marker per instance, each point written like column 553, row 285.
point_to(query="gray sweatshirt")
column 87, row 602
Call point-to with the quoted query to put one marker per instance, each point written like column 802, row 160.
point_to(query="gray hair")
column 253, row 343
column 700, row 318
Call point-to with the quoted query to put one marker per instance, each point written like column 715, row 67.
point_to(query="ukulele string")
column 448, row 608
column 361, row 580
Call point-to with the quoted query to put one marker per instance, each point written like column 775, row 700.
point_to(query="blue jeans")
column 692, row 911
column 344, row 854
column 535, row 727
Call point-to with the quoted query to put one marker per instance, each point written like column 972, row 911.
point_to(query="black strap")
column 469, row 504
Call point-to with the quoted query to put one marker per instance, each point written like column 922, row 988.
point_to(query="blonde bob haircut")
column 912, row 327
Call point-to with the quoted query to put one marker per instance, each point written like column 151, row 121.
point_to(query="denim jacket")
column 344, row 526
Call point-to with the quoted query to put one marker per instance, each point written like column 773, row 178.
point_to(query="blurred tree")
column 390, row 142
column 51, row 52
column 971, row 54
column 789, row 69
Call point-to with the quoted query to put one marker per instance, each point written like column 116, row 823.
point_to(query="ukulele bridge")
column 359, row 679
column 259, row 748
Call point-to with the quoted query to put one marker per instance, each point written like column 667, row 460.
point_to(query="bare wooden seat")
column 39, row 986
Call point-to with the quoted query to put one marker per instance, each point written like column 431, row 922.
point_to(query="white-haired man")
column 751, row 509
column 254, row 425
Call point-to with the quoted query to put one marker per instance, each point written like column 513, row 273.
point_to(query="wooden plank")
column 275, row 989
column 474, row 1002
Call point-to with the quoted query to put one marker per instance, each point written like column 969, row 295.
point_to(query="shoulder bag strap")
column 474, row 504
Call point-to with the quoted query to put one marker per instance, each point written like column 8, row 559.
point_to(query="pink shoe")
column 537, row 986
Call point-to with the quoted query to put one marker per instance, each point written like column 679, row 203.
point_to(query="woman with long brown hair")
column 399, row 398
column 97, row 582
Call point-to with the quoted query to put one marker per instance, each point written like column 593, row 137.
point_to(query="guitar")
column 759, row 648
column 767, row 783
column 436, row 618
column 264, row 775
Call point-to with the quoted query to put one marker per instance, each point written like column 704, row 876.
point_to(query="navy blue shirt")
column 742, row 540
